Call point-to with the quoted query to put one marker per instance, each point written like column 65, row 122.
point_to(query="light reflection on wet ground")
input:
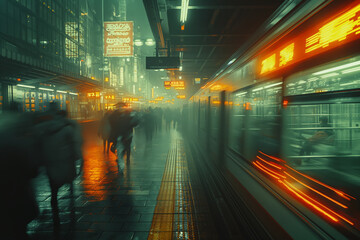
column 108, row 203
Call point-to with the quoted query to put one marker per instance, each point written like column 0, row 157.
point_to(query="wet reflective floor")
column 155, row 196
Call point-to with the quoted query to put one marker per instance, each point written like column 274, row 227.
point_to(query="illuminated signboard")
column 174, row 84
column 167, row 84
column 335, row 31
column 197, row 80
column 177, row 84
column 93, row 95
column 118, row 39
column 181, row 96
column 129, row 99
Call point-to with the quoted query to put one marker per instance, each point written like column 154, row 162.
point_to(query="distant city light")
column 149, row 42
column 138, row 43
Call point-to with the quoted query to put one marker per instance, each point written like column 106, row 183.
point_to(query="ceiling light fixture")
column 184, row 11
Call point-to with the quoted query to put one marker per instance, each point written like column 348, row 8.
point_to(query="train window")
column 255, row 119
column 341, row 75
column 237, row 120
column 321, row 139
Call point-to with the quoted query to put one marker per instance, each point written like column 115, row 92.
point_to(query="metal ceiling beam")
column 210, row 35
column 153, row 13
column 200, row 59
column 209, row 7
column 205, row 45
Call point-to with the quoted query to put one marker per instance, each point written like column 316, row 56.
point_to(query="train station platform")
column 157, row 195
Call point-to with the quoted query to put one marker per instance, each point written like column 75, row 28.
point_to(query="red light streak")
column 340, row 193
column 329, row 198
column 277, row 174
column 264, row 170
column 317, row 207
column 274, row 158
column 324, row 210
column 270, row 163
column 309, row 202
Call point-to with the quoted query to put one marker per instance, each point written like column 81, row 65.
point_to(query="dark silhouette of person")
column 149, row 124
column 19, row 164
column 62, row 142
column 122, row 123
column 105, row 130
column 321, row 136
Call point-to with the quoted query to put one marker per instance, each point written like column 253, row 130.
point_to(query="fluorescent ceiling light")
column 257, row 89
column 337, row 68
column 301, row 82
column 240, row 94
column 184, row 10
column 26, row 86
column 356, row 69
column 73, row 93
column 350, row 83
column 272, row 85
column 231, row 61
column 59, row 91
column 312, row 79
column 46, row 89
column 329, row 75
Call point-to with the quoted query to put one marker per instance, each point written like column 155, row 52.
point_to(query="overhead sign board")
column 170, row 63
column 333, row 32
column 118, row 39
column 174, row 84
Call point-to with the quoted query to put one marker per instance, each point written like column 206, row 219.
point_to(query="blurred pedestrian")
column 149, row 124
column 19, row 164
column 122, row 122
column 104, row 131
column 62, row 142
column 168, row 118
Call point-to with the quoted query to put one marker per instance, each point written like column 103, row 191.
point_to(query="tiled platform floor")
column 152, row 198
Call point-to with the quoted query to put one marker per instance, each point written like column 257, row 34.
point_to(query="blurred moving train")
column 278, row 126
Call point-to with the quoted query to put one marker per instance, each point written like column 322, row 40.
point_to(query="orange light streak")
column 340, row 193
column 264, row 170
column 329, row 198
column 308, row 202
column 278, row 174
column 274, row 158
column 270, row 163
column 338, row 215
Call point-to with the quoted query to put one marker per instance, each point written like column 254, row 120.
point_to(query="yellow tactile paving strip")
column 174, row 216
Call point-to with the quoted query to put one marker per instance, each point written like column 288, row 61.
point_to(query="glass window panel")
column 255, row 119
column 341, row 75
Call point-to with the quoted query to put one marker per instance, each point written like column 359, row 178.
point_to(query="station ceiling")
column 213, row 31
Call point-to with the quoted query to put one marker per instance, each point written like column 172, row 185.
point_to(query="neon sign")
column 344, row 28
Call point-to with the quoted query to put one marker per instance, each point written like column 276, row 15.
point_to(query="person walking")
column 62, row 148
column 105, row 130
